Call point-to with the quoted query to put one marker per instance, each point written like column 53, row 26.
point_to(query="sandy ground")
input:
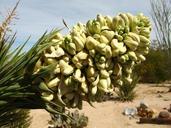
column 109, row 113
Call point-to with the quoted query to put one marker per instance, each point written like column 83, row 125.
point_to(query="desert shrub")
column 126, row 91
column 156, row 68
column 15, row 119
column 77, row 121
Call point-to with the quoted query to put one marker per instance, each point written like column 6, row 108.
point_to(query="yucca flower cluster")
column 93, row 58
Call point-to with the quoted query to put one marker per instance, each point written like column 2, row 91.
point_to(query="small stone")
column 159, row 96
column 170, row 108
column 164, row 114
column 169, row 90
column 130, row 111
column 143, row 105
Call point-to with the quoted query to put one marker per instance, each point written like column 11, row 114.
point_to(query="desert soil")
column 108, row 114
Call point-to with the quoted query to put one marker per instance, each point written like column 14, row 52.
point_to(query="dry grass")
column 5, row 24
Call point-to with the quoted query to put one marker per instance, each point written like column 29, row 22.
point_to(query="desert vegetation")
column 102, row 60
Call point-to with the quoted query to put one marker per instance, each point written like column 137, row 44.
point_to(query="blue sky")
column 37, row 16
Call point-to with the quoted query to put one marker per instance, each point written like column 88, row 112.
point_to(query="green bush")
column 10, row 118
column 77, row 120
column 18, row 118
column 156, row 68
column 126, row 91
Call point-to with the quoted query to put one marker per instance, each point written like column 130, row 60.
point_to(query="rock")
column 159, row 96
column 143, row 105
column 169, row 90
column 164, row 114
column 146, row 113
column 130, row 111
column 170, row 108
